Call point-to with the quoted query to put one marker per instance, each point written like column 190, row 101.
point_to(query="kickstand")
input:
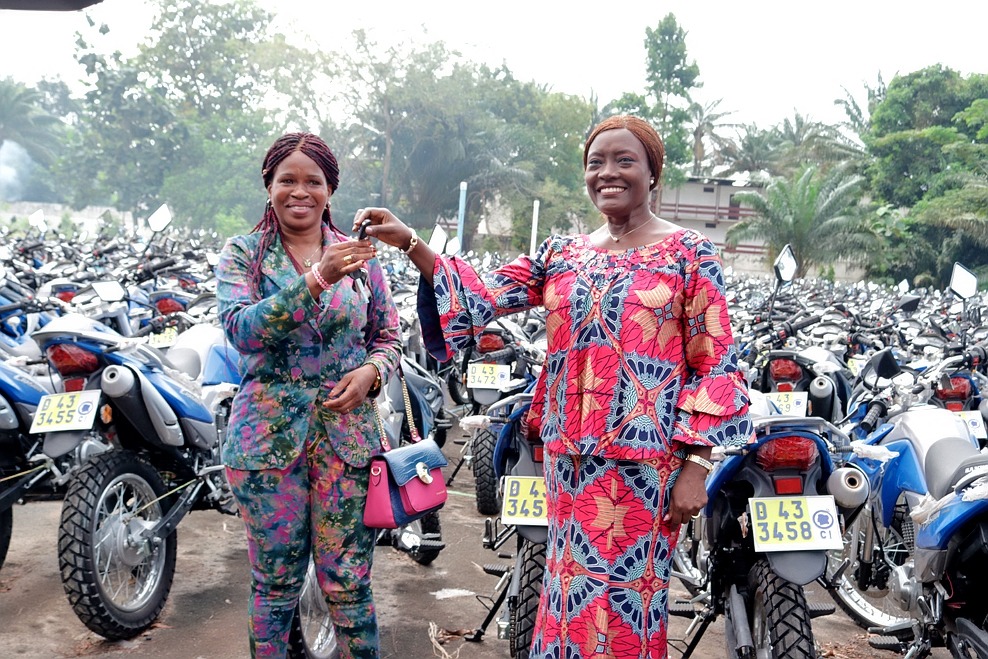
column 477, row 635
column 464, row 458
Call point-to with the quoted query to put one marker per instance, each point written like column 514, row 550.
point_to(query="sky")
column 763, row 60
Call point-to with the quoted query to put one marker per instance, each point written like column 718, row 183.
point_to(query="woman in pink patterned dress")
column 640, row 382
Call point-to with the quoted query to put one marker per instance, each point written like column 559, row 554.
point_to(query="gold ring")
column 348, row 259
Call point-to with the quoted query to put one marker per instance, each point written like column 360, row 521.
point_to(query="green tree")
column 705, row 122
column 814, row 214
column 755, row 150
column 24, row 121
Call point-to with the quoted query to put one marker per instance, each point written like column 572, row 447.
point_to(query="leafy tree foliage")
column 813, row 213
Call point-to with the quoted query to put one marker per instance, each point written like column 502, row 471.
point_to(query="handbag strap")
column 409, row 417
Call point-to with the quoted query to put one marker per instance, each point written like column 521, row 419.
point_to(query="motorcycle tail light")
column 788, row 485
column 960, row 389
column 65, row 296
column 489, row 342
column 791, row 452
column 785, row 369
column 784, row 386
column 70, row 359
column 73, row 384
column 168, row 305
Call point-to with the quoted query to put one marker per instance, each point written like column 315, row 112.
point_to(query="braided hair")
column 312, row 146
column 641, row 129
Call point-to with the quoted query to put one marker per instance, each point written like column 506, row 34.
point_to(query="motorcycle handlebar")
column 145, row 272
column 503, row 355
column 875, row 410
column 806, row 322
column 29, row 247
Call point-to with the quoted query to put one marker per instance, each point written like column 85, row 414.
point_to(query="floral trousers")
column 312, row 507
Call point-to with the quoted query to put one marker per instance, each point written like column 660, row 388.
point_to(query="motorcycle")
column 117, row 545
column 912, row 569
column 518, row 465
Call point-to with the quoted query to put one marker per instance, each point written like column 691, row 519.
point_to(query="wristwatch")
column 703, row 462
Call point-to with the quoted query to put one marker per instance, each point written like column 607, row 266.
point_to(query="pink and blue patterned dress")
column 641, row 362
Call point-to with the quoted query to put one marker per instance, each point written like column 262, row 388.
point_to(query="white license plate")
column 523, row 501
column 69, row 411
column 975, row 423
column 790, row 403
column 488, row 376
column 794, row 523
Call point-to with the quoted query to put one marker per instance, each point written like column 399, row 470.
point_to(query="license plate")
column 975, row 423
column 69, row 411
column 524, row 501
column 164, row 338
column 794, row 523
column 488, row 376
column 790, row 403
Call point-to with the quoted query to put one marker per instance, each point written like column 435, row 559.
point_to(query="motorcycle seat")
column 949, row 460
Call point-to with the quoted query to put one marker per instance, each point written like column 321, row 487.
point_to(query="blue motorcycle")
column 163, row 416
column 914, row 567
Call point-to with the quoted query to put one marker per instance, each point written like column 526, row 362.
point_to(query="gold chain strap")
column 385, row 444
column 408, row 411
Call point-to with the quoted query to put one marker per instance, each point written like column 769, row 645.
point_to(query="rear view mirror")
column 109, row 291
column 785, row 265
column 437, row 243
column 963, row 282
column 160, row 219
column 37, row 220
column 908, row 303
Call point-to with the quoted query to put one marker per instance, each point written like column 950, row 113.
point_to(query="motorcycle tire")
column 6, row 530
column 117, row 590
column 872, row 606
column 428, row 524
column 313, row 635
column 530, row 590
column 780, row 618
column 485, row 481
column 456, row 385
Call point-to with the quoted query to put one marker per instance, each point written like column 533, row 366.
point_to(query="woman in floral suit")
column 640, row 382
column 316, row 343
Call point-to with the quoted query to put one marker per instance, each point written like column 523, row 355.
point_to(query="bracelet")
column 412, row 243
column 376, row 387
column 323, row 284
column 703, row 462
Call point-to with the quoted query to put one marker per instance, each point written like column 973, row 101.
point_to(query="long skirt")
column 608, row 559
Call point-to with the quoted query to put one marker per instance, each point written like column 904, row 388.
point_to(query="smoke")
column 15, row 163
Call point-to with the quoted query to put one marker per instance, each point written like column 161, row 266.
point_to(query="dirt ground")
column 205, row 617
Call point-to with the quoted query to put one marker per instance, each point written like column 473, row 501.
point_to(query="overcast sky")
column 764, row 59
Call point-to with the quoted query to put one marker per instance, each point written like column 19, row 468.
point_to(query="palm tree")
column 705, row 124
column 812, row 213
column 22, row 120
column 754, row 150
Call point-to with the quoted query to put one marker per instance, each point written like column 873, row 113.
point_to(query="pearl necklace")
column 617, row 239
column 307, row 262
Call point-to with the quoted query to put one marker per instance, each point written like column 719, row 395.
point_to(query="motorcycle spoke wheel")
column 315, row 627
column 428, row 527
column 873, row 606
column 115, row 582
column 689, row 558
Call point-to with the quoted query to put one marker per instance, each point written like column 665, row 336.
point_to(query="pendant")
column 307, row 263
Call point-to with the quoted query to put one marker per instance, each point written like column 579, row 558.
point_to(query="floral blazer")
column 295, row 349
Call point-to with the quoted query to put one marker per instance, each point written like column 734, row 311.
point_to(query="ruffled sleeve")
column 712, row 408
column 461, row 302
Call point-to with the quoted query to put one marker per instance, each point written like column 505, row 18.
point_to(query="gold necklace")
column 617, row 239
column 306, row 262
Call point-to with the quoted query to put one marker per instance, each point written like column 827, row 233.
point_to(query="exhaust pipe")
column 849, row 487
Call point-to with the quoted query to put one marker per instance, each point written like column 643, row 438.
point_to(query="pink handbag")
column 406, row 482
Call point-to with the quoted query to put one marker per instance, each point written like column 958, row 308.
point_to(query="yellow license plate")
column 70, row 411
column 790, row 403
column 524, row 501
column 164, row 338
column 794, row 523
column 488, row 376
